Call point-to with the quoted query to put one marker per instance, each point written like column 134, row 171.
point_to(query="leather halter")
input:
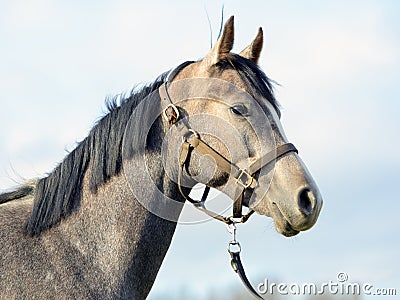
column 244, row 177
column 193, row 141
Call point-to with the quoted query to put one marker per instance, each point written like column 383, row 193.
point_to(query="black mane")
column 60, row 193
column 16, row 194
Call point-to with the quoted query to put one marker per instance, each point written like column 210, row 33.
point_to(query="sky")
column 336, row 63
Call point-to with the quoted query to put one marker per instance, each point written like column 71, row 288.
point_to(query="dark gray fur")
column 90, row 238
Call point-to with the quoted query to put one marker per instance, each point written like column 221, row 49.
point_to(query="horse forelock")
column 255, row 79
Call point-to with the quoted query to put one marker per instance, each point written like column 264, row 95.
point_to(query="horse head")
column 227, row 102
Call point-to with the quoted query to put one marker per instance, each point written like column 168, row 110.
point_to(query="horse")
column 99, row 225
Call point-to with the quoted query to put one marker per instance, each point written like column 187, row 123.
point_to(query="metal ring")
column 231, row 246
column 164, row 113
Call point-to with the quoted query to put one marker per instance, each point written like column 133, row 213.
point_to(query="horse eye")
column 239, row 110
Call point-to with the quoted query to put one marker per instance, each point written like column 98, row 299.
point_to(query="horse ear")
column 223, row 46
column 253, row 50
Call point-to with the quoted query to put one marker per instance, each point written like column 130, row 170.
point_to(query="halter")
column 192, row 141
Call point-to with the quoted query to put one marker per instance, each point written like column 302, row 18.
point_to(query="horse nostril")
column 306, row 201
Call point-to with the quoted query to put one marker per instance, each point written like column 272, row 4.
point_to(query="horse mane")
column 18, row 193
column 59, row 194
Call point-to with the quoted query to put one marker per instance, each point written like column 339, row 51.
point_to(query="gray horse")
column 83, row 231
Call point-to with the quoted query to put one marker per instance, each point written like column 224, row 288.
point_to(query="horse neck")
column 117, row 236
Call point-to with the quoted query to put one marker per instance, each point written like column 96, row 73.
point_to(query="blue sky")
column 337, row 64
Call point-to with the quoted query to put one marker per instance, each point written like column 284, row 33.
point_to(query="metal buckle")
column 164, row 113
column 245, row 183
column 188, row 134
